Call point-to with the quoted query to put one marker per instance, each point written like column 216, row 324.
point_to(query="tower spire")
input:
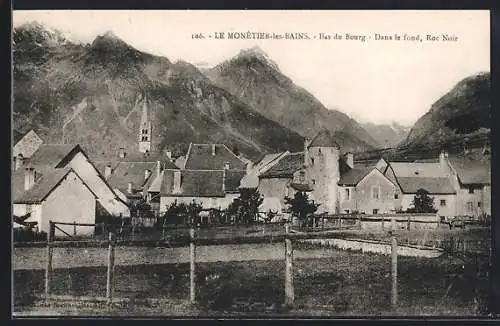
column 145, row 128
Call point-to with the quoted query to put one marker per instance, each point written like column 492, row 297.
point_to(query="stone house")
column 60, row 183
column 433, row 177
column 365, row 189
column 316, row 170
column 210, row 175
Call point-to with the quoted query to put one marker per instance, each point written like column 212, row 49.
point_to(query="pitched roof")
column 232, row 180
column 286, row 166
column 412, row 169
column 267, row 161
column 50, row 155
column 194, row 183
column 354, row 176
column 324, row 139
column 134, row 156
column 27, row 145
column 47, row 183
column 410, row 185
column 472, row 171
column 126, row 172
column 199, row 157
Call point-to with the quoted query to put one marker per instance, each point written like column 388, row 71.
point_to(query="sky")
column 379, row 81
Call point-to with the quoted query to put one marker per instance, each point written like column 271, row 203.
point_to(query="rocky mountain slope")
column 387, row 135
column 463, row 112
column 255, row 79
column 93, row 94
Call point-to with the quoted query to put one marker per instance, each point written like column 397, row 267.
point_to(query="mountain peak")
column 40, row 34
column 256, row 52
column 109, row 41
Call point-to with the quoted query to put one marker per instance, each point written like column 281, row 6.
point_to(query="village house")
column 365, row 189
column 60, row 183
column 25, row 148
column 210, row 175
column 315, row 171
column 470, row 176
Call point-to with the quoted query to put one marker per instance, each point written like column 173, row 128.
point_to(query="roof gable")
column 27, row 145
column 353, row 176
column 286, row 166
column 46, row 184
column 376, row 172
column 212, row 157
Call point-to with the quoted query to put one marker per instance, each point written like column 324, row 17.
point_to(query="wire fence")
column 241, row 268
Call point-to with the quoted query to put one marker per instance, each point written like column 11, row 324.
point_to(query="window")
column 375, row 211
column 396, row 196
column 469, row 206
column 471, row 190
column 313, row 181
column 442, row 202
column 312, row 161
column 347, row 194
column 346, row 211
column 302, row 177
column 375, row 193
column 478, row 204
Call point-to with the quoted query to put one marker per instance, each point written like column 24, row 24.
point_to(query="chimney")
column 122, row 153
column 226, row 166
column 129, row 187
column 213, row 149
column 224, row 181
column 19, row 160
column 147, row 173
column 29, row 178
column 177, row 181
column 107, row 171
column 169, row 155
column 350, row 160
column 249, row 167
column 307, row 142
column 443, row 158
column 158, row 169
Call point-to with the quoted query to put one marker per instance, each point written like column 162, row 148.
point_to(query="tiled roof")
column 199, row 157
column 410, row 185
column 324, row 139
column 353, row 176
column 126, row 172
column 268, row 160
column 44, row 186
column 194, row 183
column 472, row 171
column 286, row 166
column 424, row 170
column 50, row 155
column 232, row 180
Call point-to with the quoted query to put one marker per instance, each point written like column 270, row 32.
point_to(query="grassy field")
column 349, row 284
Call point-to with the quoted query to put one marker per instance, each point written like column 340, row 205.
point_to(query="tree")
column 246, row 206
column 301, row 206
column 422, row 203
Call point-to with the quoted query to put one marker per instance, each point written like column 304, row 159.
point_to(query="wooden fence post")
column 74, row 228
column 111, row 265
column 289, row 291
column 382, row 222
column 394, row 272
column 48, row 270
column 409, row 223
column 192, row 274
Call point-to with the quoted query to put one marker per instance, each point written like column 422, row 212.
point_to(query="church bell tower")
column 145, row 130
